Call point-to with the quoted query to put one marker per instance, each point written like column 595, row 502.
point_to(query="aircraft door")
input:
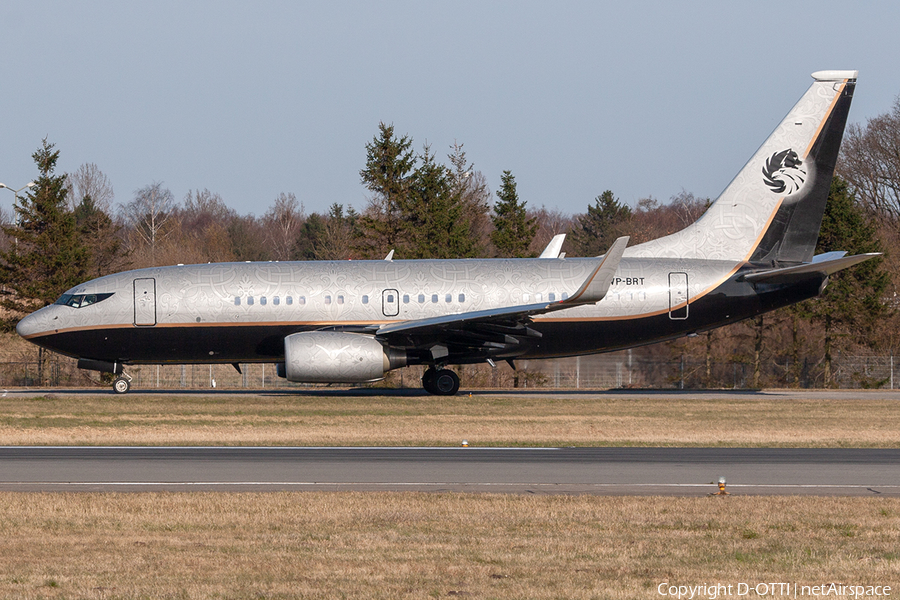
column 390, row 303
column 678, row 296
column 145, row 302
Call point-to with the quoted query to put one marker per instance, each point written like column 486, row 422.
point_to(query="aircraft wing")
column 499, row 329
column 826, row 264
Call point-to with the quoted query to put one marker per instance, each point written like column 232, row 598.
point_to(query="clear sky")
column 250, row 99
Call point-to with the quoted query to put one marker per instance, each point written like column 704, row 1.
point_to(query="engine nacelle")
column 337, row 357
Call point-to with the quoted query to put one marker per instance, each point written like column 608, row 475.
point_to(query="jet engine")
column 337, row 357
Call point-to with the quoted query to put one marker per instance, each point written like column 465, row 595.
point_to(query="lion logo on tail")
column 784, row 172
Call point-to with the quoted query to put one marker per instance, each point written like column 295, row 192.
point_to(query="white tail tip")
column 834, row 75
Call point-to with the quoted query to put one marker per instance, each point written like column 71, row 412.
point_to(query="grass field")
column 809, row 420
column 413, row 545
column 356, row 545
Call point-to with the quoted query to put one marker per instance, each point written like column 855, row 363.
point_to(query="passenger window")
column 462, row 298
column 328, row 299
column 340, row 299
column 537, row 297
column 249, row 300
column 276, row 300
column 301, row 300
column 262, row 300
column 552, row 297
column 448, row 298
column 237, row 300
column 526, row 298
column 289, row 300
column 434, row 298
column 421, row 298
column 405, row 298
column 565, row 295
column 365, row 299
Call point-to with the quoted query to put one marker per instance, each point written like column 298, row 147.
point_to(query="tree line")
column 68, row 228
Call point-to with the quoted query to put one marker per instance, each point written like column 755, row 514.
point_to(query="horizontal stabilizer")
column 792, row 274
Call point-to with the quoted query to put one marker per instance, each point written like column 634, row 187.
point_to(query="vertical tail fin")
column 771, row 212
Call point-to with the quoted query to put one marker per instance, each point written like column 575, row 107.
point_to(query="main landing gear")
column 443, row 382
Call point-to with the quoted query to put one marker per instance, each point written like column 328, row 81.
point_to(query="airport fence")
column 604, row 371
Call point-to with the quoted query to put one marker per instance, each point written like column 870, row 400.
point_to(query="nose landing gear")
column 122, row 383
column 443, row 382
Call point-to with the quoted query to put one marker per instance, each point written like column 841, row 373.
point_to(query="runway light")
column 721, row 491
column 465, row 443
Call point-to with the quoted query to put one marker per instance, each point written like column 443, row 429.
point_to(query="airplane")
column 353, row 321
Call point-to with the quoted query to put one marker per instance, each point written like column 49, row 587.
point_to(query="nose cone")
column 36, row 323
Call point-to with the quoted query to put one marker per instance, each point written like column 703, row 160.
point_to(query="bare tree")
column 89, row 180
column 283, row 222
column 687, row 207
column 337, row 235
column 550, row 223
column 4, row 239
column 205, row 220
column 205, row 206
column 149, row 213
column 653, row 220
column 471, row 187
column 870, row 162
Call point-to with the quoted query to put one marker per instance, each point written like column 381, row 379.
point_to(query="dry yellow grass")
column 354, row 545
column 654, row 420
column 406, row 545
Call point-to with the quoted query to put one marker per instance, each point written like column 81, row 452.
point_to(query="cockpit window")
column 81, row 300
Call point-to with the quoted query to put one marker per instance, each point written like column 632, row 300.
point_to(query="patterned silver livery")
column 353, row 321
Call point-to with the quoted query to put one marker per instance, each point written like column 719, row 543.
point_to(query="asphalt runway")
column 350, row 392
column 607, row 471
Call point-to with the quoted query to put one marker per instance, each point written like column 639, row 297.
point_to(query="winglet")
column 553, row 248
column 597, row 283
column 390, row 255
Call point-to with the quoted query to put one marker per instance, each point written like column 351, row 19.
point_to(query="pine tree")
column 513, row 230
column 389, row 165
column 606, row 220
column 48, row 256
column 434, row 216
column 852, row 303
column 309, row 238
column 100, row 236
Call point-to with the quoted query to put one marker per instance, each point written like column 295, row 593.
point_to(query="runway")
column 607, row 471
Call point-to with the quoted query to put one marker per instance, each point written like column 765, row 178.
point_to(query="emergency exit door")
column 678, row 296
column 390, row 303
column 145, row 302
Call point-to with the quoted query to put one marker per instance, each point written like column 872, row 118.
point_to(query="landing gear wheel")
column 428, row 381
column 446, row 383
column 121, row 385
